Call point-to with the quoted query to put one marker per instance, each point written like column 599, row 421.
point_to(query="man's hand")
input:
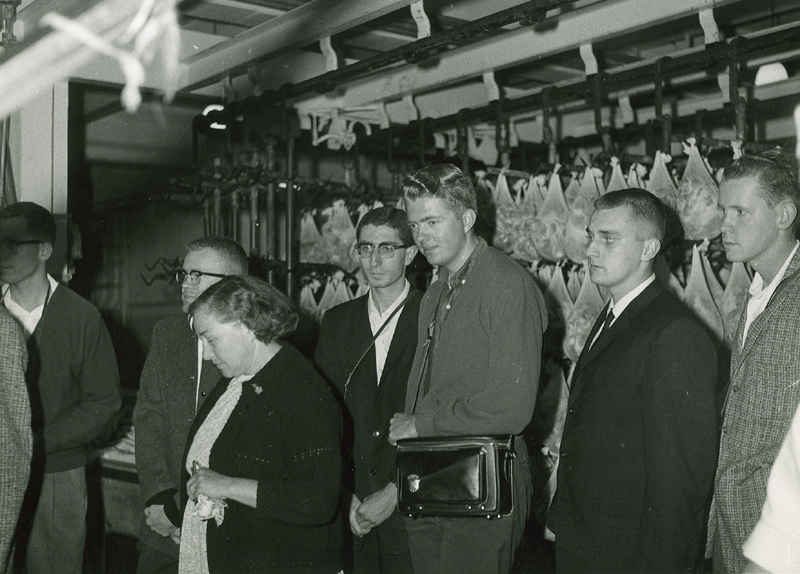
column 157, row 520
column 402, row 426
column 378, row 506
column 356, row 526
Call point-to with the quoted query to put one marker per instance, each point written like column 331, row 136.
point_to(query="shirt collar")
column 450, row 279
column 372, row 308
column 757, row 287
column 6, row 291
column 619, row 306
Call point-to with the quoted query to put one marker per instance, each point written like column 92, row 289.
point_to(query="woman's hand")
column 216, row 485
column 210, row 483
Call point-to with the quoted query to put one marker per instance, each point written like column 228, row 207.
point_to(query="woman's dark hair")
column 259, row 306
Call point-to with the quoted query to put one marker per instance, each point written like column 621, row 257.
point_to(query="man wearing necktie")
column 639, row 442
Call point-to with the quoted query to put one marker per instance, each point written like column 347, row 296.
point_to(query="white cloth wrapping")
column 193, row 552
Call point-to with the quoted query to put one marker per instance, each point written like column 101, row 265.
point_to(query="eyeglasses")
column 385, row 250
column 193, row 276
column 11, row 246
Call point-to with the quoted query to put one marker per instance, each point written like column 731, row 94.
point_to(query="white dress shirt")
column 376, row 319
column 760, row 295
column 618, row 307
column 28, row 320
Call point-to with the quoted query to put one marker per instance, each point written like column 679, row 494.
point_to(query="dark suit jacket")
column 639, row 444
column 164, row 411
column 344, row 335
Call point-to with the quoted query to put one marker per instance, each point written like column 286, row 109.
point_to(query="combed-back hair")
column 644, row 205
column 445, row 181
column 776, row 171
column 392, row 217
column 39, row 222
column 227, row 248
column 260, row 307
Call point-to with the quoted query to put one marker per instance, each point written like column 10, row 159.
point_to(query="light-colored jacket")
column 16, row 439
column 763, row 395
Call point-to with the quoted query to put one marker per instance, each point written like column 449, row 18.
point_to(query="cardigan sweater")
column 285, row 433
column 73, row 378
column 165, row 409
column 484, row 367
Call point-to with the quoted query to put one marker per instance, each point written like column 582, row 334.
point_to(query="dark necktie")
column 604, row 328
column 609, row 320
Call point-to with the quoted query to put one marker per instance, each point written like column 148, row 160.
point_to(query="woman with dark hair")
column 263, row 457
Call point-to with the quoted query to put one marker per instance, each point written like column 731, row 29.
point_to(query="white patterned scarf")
column 193, row 552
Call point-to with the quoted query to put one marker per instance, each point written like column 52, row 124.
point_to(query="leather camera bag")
column 466, row 476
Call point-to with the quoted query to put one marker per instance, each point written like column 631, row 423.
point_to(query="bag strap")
column 397, row 309
column 426, row 347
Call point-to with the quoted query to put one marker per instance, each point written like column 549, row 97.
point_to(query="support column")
column 39, row 149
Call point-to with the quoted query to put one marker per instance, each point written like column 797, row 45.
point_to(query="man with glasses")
column 73, row 380
column 372, row 378
column 175, row 381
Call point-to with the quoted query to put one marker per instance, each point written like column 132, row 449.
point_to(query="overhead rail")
column 529, row 13
column 711, row 58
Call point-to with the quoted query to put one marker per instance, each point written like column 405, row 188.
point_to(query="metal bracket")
column 421, row 18
column 628, row 115
column 491, row 86
column 709, row 25
column 589, row 59
column 331, row 59
column 712, row 35
column 413, row 110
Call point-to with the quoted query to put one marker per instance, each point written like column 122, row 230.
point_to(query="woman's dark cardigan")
column 285, row 433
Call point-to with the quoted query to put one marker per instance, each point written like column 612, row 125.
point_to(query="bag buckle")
column 413, row 483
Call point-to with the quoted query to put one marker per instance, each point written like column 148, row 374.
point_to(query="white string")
column 150, row 29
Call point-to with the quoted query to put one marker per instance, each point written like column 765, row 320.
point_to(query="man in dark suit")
column 377, row 387
column 174, row 384
column 639, row 442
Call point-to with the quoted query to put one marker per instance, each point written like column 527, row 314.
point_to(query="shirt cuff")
column 167, row 499
column 772, row 550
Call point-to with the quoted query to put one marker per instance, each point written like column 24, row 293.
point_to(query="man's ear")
column 468, row 219
column 45, row 250
column 651, row 248
column 787, row 214
column 411, row 252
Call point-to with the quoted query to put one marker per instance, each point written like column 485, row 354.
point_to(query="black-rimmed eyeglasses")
column 193, row 276
column 385, row 250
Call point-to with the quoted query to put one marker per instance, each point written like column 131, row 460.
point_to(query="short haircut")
column 392, row 217
column 444, row 181
column 227, row 248
column 775, row 170
column 38, row 221
column 644, row 205
column 259, row 306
